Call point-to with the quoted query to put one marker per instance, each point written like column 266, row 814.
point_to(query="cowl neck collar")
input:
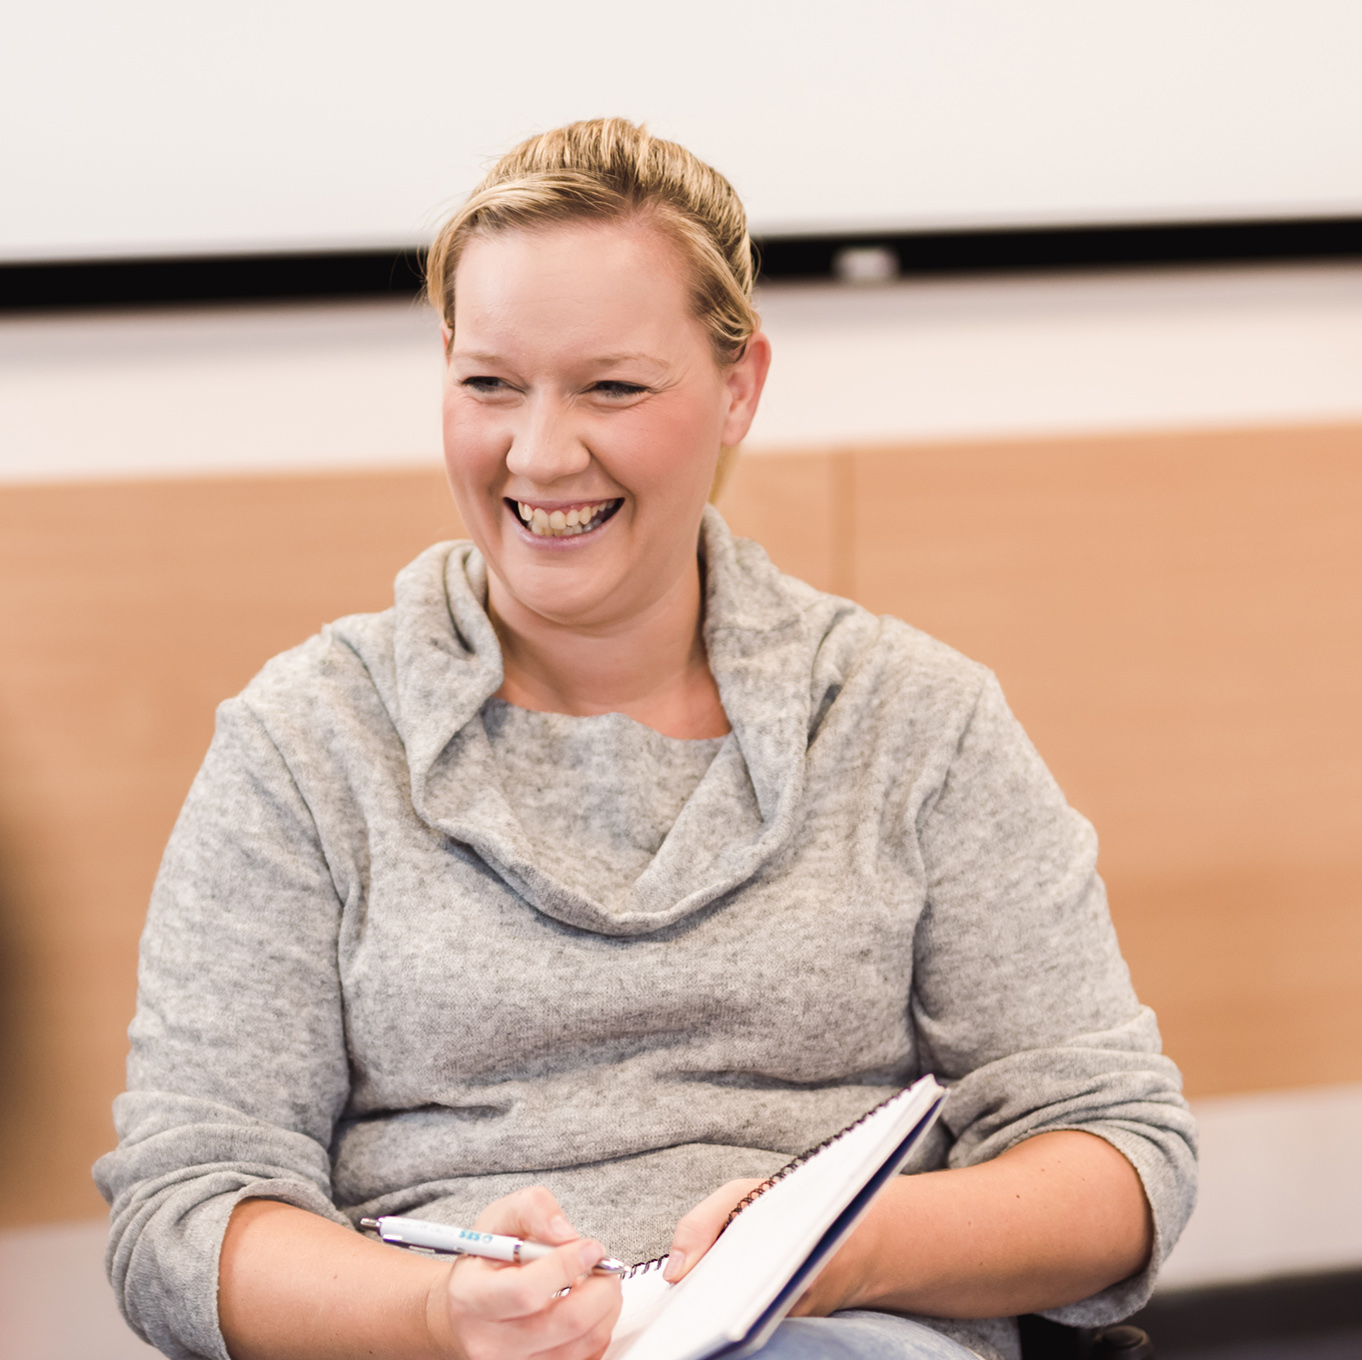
column 447, row 663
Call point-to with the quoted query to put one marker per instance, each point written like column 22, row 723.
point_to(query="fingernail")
column 676, row 1263
column 559, row 1226
column 589, row 1252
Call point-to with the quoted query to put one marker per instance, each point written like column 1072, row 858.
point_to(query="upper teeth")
column 560, row 523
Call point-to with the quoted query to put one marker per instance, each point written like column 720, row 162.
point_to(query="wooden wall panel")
column 1177, row 620
column 127, row 611
column 799, row 506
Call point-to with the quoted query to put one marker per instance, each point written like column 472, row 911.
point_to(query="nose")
column 545, row 448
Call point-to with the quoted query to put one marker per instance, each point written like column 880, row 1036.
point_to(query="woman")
column 609, row 868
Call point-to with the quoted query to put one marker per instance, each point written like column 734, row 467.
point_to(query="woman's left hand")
column 842, row 1282
column 837, row 1285
column 1055, row 1219
column 696, row 1233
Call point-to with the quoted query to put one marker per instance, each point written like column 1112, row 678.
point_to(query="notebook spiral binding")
column 797, row 1162
column 643, row 1267
column 657, row 1262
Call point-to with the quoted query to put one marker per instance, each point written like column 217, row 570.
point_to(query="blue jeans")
column 857, row 1335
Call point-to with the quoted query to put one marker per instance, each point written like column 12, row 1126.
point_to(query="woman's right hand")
column 490, row 1310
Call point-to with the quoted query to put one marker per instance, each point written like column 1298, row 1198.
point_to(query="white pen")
column 424, row 1236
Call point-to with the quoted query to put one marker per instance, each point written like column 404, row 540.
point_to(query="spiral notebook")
column 775, row 1242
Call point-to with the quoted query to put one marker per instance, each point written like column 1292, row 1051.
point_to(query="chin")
column 565, row 592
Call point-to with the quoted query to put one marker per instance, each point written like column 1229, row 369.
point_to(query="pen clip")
column 375, row 1226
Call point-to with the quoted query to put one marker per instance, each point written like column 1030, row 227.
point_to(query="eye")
column 618, row 390
column 483, row 383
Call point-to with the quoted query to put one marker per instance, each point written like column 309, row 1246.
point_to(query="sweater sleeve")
column 1022, row 1002
column 238, row 1066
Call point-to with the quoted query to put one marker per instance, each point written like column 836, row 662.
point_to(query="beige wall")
column 1178, row 622
column 1177, row 619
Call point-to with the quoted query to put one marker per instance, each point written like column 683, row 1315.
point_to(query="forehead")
column 622, row 284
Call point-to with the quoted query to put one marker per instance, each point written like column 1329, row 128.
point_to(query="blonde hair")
column 609, row 169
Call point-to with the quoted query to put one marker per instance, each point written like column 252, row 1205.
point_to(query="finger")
column 590, row 1345
column 587, row 1318
column 696, row 1233
column 531, row 1213
column 577, row 1325
column 809, row 1303
column 509, row 1292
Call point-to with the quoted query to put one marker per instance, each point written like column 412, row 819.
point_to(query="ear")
column 446, row 339
column 745, row 380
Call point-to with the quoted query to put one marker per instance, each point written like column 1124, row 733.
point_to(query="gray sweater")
column 364, row 989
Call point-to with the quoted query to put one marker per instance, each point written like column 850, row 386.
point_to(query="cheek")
column 672, row 453
column 474, row 450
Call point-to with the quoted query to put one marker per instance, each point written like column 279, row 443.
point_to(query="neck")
column 651, row 667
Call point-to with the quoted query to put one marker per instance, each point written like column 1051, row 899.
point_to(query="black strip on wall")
column 971, row 252
column 375, row 273
column 218, row 278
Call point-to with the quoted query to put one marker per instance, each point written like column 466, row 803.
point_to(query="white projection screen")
column 154, row 128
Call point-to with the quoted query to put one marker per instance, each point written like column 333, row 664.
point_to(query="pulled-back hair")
column 609, row 169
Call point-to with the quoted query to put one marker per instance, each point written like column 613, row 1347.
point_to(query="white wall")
column 154, row 126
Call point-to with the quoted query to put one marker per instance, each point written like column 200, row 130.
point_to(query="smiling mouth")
column 560, row 523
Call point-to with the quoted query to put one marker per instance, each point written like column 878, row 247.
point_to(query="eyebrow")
column 481, row 356
column 605, row 360
column 600, row 361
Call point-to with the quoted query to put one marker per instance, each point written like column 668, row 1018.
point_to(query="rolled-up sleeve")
column 1022, row 1002
column 238, row 1066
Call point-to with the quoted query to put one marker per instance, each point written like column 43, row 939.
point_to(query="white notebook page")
column 742, row 1274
